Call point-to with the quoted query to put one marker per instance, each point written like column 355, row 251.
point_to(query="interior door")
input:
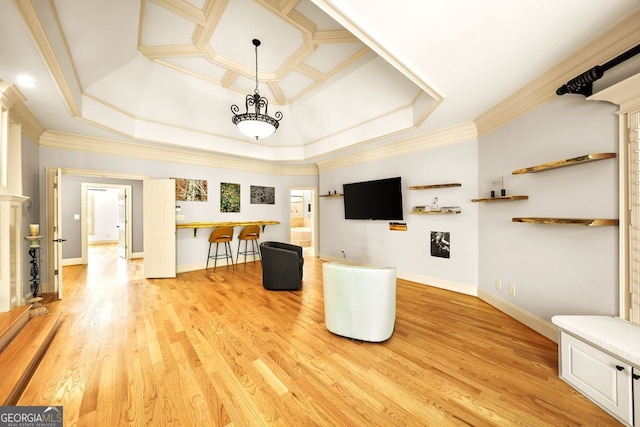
column 122, row 224
column 159, row 229
column 54, row 229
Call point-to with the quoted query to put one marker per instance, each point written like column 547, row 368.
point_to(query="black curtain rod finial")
column 583, row 84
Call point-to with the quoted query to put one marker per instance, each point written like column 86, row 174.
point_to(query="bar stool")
column 222, row 235
column 249, row 233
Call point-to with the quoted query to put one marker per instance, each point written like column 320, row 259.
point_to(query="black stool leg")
column 215, row 260
column 229, row 254
column 208, row 256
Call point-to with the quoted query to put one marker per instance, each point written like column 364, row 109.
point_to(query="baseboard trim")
column 448, row 285
column 135, row 255
column 411, row 277
column 539, row 325
column 71, row 261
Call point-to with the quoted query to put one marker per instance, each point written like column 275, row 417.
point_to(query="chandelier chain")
column 256, row 90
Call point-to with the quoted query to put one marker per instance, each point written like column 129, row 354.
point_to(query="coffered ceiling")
column 345, row 74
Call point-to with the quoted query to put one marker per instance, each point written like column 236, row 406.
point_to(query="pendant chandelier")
column 259, row 123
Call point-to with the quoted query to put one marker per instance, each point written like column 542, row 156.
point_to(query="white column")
column 11, row 199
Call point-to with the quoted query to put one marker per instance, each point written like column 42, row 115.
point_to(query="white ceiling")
column 345, row 73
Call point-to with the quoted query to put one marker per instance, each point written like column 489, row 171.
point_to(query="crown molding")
column 611, row 43
column 13, row 100
column 448, row 136
column 29, row 124
column 10, row 95
column 68, row 141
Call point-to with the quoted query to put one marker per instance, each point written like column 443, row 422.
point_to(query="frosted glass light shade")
column 256, row 128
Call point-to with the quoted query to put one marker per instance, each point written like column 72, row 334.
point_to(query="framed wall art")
column 229, row 197
column 441, row 244
column 191, row 190
column 263, row 195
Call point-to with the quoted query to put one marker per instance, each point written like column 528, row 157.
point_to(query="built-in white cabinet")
column 603, row 378
column 600, row 357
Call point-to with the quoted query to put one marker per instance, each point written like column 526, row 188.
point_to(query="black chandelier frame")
column 258, row 103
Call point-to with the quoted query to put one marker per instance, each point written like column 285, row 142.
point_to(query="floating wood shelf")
column 500, row 198
column 588, row 222
column 331, row 195
column 434, row 213
column 563, row 163
column 427, row 187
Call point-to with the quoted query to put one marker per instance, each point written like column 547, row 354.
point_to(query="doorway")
column 106, row 218
column 302, row 220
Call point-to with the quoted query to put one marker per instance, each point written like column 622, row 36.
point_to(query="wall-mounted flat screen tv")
column 378, row 199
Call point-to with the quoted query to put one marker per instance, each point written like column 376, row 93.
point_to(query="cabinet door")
column 601, row 377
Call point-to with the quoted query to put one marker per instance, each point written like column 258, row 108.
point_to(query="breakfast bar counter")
column 196, row 225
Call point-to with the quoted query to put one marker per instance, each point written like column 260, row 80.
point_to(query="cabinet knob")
column 620, row 368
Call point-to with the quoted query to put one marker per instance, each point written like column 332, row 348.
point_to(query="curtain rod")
column 583, row 84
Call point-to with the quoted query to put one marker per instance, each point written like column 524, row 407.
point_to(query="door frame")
column 314, row 216
column 625, row 94
column 84, row 213
column 49, row 286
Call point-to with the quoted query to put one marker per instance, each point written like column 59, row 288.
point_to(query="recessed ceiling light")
column 26, row 81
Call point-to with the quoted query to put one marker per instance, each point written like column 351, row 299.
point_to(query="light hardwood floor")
column 217, row 349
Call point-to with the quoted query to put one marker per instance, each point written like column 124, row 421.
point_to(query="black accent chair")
column 281, row 266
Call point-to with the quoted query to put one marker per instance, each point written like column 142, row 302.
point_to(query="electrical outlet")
column 512, row 290
column 498, row 284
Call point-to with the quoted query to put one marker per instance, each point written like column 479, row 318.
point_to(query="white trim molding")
column 539, row 325
column 68, row 141
column 464, row 132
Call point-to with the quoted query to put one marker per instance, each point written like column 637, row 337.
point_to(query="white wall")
column 557, row 269
column 372, row 243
